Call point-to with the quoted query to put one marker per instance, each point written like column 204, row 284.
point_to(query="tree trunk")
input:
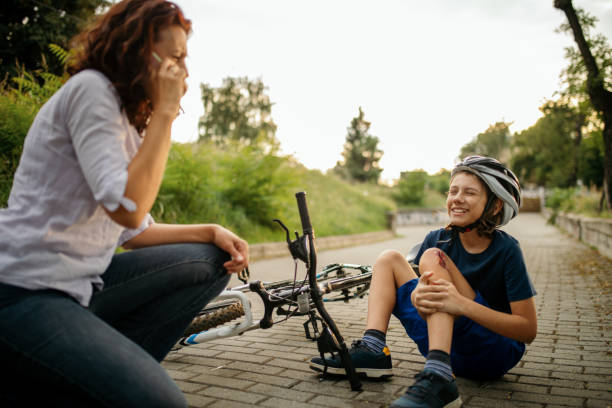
column 579, row 119
column 600, row 97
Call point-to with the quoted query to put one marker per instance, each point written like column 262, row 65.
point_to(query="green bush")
column 578, row 201
column 559, row 198
column 237, row 187
column 410, row 189
column 18, row 107
column 245, row 189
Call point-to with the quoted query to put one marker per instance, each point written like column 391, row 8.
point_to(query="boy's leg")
column 58, row 352
column 434, row 259
column 391, row 270
column 435, row 385
column 151, row 294
column 370, row 355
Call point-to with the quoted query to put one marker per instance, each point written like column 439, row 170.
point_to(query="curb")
column 276, row 249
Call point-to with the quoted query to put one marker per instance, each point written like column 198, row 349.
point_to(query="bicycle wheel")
column 215, row 315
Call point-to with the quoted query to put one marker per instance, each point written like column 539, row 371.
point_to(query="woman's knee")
column 206, row 252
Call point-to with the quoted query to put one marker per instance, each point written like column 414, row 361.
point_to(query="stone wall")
column 419, row 216
column 596, row 232
column 531, row 204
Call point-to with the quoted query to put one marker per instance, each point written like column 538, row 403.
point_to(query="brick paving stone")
column 568, row 365
column 281, row 392
column 489, row 403
column 213, row 379
column 284, row 403
column 229, row 404
column 255, row 368
column 268, row 379
column 333, row 401
column 190, row 387
column 593, row 403
column 194, row 400
column 232, row 395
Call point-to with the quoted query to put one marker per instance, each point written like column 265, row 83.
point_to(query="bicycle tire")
column 208, row 319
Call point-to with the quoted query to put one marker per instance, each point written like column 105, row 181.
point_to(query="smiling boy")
column 471, row 311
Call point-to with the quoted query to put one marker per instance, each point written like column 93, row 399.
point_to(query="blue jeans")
column 55, row 350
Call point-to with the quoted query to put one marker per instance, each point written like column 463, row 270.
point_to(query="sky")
column 429, row 75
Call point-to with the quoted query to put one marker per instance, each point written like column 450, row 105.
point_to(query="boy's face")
column 466, row 200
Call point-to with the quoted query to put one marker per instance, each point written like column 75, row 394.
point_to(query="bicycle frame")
column 286, row 294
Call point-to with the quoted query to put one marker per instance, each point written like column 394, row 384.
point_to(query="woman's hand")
column 169, row 86
column 235, row 246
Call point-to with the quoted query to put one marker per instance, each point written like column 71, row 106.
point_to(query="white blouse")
column 55, row 233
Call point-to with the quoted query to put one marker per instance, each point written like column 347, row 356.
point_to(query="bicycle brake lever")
column 244, row 275
column 296, row 247
column 285, row 228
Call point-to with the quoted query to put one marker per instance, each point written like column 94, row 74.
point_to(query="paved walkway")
column 568, row 365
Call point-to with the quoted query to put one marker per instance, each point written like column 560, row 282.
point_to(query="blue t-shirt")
column 498, row 273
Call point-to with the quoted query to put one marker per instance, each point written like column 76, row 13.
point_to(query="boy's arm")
column 521, row 325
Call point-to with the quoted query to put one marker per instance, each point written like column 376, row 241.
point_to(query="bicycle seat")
column 413, row 253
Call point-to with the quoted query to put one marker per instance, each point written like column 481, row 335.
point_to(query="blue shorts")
column 476, row 352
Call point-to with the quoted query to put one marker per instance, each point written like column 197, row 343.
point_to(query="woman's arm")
column 159, row 234
column 146, row 170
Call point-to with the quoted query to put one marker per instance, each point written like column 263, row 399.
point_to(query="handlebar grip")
column 303, row 209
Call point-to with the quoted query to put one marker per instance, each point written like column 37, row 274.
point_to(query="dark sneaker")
column 365, row 361
column 429, row 391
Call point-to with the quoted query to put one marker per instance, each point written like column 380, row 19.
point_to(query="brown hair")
column 488, row 221
column 119, row 44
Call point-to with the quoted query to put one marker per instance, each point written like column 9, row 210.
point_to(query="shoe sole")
column 454, row 404
column 368, row 372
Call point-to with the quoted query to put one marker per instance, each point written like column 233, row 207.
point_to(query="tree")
column 596, row 85
column 361, row 153
column 27, row 27
column 410, row 189
column 493, row 142
column 544, row 153
column 238, row 111
column 591, row 160
column 439, row 181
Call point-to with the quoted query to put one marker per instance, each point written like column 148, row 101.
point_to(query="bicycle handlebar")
column 303, row 210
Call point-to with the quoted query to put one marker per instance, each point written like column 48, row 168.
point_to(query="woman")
column 471, row 311
column 78, row 324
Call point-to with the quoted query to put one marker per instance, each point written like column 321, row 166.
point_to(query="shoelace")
column 359, row 344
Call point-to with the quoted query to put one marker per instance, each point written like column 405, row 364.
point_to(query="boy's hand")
column 426, row 296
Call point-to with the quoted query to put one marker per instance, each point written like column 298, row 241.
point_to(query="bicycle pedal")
column 315, row 327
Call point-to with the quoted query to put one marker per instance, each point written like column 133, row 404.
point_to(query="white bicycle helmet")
column 501, row 181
